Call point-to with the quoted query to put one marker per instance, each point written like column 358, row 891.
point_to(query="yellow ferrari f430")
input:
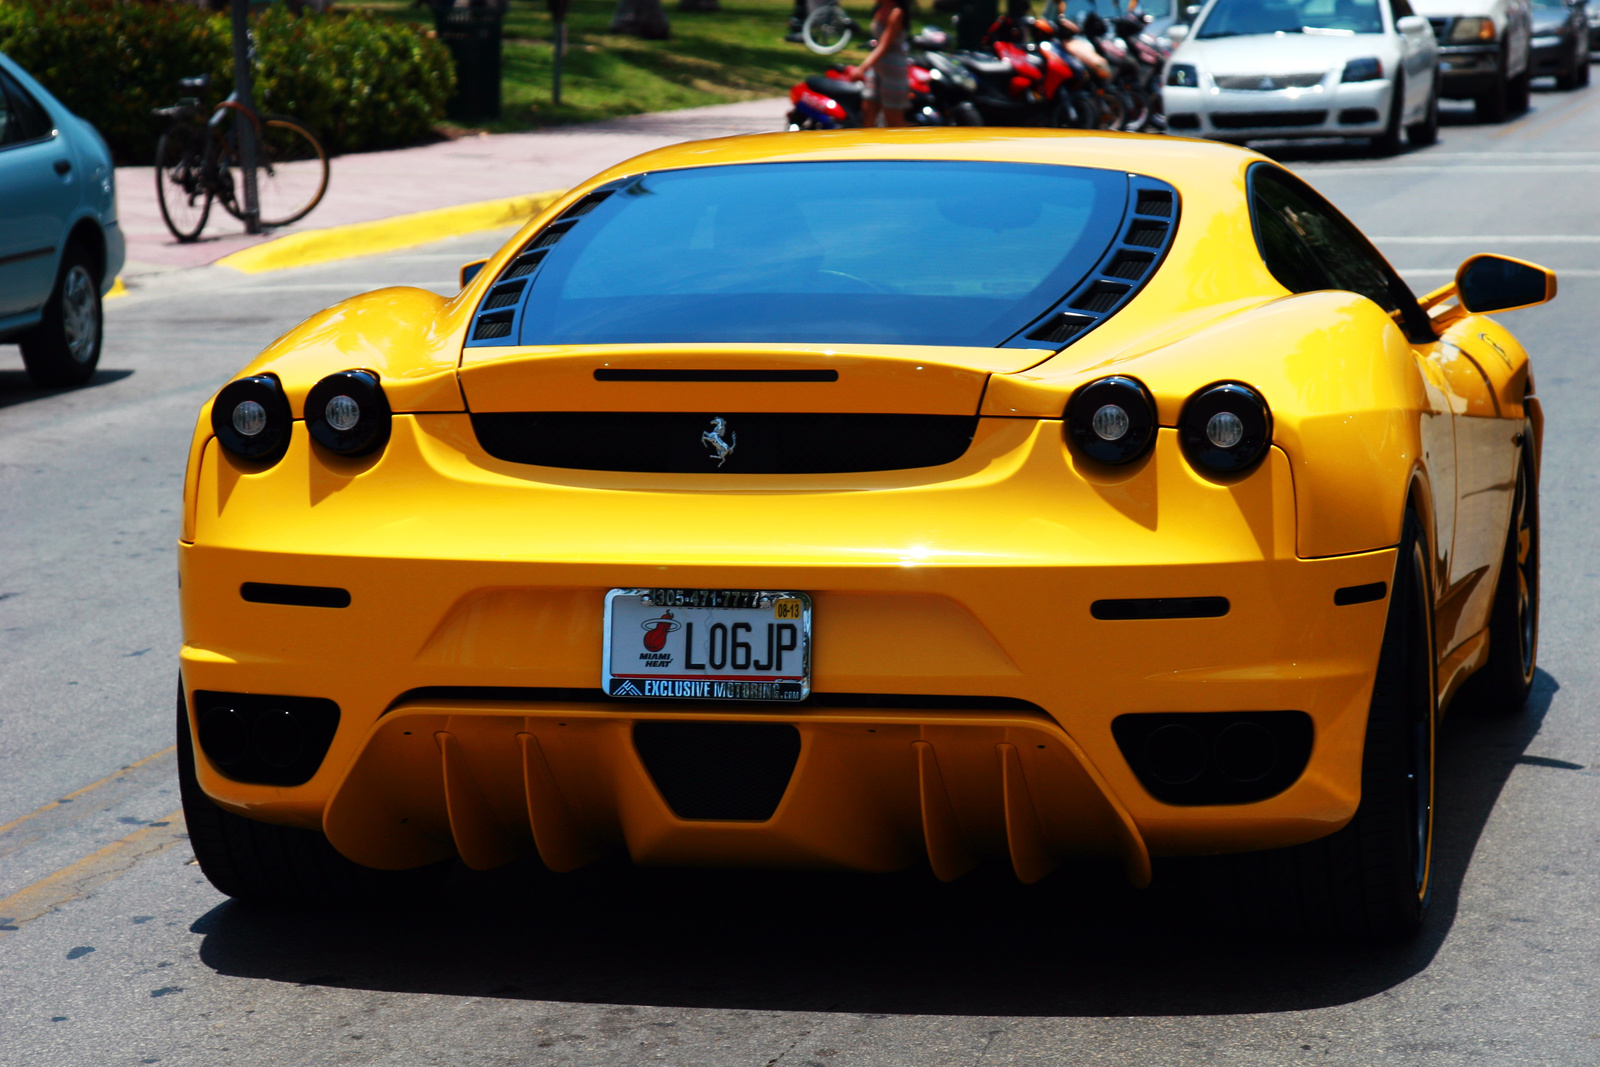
column 864, row 501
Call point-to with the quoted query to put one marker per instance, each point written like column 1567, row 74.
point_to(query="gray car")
column 60, row 246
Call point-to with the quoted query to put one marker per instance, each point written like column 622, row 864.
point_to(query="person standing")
column 886, row 69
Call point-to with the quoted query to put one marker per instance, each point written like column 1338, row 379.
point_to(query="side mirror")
column 1177, row 33
column 1412, row 24
column 470, row 271
column 1488, row 283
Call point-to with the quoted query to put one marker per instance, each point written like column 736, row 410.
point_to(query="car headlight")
column 1472, row 30
column 1365, row 69
column 1184, row 75
column 347, row 413
column 1112, row 420
column 1225, row 428
column 251, row 418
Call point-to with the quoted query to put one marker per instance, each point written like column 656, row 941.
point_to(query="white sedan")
column 1258, row 69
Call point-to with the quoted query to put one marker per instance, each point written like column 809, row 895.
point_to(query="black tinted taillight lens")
column 1225, row 428
column 251, row 418
column 1112, row 420
column 347, row 413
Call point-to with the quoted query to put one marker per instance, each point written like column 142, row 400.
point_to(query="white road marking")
column 1525, row 238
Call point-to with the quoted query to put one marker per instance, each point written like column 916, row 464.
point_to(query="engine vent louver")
column 1147, row 230
column 1063, row 328
column 499, row 317
column 504, row 295
column 1154, row 202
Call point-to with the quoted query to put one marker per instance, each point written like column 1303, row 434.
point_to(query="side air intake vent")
column 1123, row 270
column 1147, row 234
column 499, row 317
column 1063, row 328
column 490, row 327
column 1154, row 202
column 1101, row 296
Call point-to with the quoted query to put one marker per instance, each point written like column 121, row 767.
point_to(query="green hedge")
column 359, row 81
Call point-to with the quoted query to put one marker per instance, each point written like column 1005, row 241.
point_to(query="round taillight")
column 1112, row 420
column 347, row 413
column 1225, row 428
column 250, row 418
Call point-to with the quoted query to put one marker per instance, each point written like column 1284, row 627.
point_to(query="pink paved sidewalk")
column 377, row 185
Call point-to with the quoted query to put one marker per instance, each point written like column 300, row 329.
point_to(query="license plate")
column 707, row 644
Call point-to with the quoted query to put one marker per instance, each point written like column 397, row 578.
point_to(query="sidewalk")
column 367, row 186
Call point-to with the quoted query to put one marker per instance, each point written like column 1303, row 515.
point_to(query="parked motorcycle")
column 941, row 95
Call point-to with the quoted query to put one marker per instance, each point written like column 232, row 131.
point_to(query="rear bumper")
column 972, row 580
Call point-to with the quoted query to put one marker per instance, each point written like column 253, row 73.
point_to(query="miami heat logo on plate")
column 657, row 629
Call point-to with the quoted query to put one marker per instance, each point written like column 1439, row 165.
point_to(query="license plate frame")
column 671, row 671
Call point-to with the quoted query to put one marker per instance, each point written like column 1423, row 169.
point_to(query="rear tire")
column 268, row 864
column 1372, row 878
column 1518, row 92
column 1507, row 678
column 64, row 348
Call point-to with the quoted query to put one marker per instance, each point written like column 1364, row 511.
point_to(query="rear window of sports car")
column 886, row 252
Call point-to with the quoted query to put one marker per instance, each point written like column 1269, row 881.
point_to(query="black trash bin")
column 472, row 33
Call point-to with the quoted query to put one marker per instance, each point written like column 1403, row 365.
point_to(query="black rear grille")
column 654, row 442
column 735, row 771
column 1130, row 265
column 492, row 326
column 525, row 263
column 1262, row 120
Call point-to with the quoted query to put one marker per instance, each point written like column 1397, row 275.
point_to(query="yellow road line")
column 91, row 787
column 91, row 872
column 387, row 235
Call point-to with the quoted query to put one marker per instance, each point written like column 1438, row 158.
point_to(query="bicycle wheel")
column 184, row 197
column 827, row 29
column 292, row 171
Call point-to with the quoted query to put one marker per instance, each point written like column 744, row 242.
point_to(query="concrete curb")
column 386, row 235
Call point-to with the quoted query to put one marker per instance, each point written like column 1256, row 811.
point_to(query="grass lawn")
column 714, row 57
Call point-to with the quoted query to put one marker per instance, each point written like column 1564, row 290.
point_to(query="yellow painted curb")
column 117, row 289
column 386, row 235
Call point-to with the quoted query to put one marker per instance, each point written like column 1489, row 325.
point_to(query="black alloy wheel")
column 64, row 349
column 1372, row 879
column 1514, row 622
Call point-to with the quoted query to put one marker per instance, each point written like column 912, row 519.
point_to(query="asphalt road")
column 114, row 950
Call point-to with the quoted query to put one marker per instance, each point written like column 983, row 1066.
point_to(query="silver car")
column 60, row 246
column 1258, row 69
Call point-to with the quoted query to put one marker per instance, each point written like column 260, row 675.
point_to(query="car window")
column 893, row 252
column 1239, row 18
column 1402, row 9
column 25, row 120
column 1308, row 245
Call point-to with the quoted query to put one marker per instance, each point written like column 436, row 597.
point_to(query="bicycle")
column 195, row 162
column 827, row 29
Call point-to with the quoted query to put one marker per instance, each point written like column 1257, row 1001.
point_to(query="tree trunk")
column 699, row 5
column 641, row 18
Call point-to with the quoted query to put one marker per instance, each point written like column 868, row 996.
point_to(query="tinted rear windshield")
column 872, row 252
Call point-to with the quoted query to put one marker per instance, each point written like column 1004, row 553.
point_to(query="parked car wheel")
column 1426, row 132
column 65, row 347
column 1514, row 625
column 1517, row 93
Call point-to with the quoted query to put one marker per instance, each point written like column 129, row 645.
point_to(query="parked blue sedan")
column 60, row 247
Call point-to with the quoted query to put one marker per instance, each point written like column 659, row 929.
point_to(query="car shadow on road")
column 1076, row 944
column 15, row 387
